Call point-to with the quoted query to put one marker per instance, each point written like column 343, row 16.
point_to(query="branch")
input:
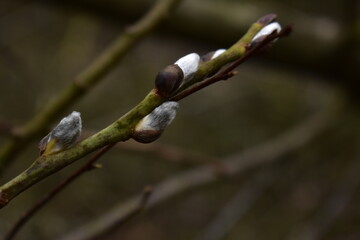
column 86, row 80
column 132, row 211
column 168, row 152
column 265, row 153
column 122, row 129
column 26, row 217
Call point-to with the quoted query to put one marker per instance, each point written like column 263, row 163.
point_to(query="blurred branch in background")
column 265, row 153
column 7, row 129
column 330, row 211
column 234, row 210
column 315, row 43
column 86, row 80
column 168, row 152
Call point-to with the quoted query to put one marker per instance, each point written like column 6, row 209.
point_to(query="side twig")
column 27, row 216
column 169, row 152
column 132, row 212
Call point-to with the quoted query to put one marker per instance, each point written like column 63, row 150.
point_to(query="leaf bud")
column 152, row 125
column 168, row 80
column 189, row 64
column 63, row 136
column 265, row 31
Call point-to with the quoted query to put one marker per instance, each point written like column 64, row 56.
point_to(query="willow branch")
column 265, row 153
column 122, row 129
column 86, row 80
column 27, row 216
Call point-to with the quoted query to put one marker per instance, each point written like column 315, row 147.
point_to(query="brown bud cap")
column 265, row 20
column 4, row 199
column 146, row 136
column 211, row 55
column 207, row 57
column 168, row 80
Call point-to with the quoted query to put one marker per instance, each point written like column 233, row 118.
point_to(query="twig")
column 265, row 153
column 27, row 216
column 169, row 152
column 132, row 212
column 120, row 130
column 86, row 80
column 163, row 150
column 228, row 71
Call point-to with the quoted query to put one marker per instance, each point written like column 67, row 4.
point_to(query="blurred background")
column 309, row 192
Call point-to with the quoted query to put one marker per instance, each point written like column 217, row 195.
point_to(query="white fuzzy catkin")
column 65, row 134
column 189, row 64
column 218, row 53
column 268, row 29
column 159, row 118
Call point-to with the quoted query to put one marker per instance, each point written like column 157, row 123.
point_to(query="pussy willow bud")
column 63, row 136
column 267, row 30
column 168, row 80
column 189, row 64
column 152, row 125
column 211, row 55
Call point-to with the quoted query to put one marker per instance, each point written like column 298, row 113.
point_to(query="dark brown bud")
column 211, row 55
column 265, row 20
column 146, row 136
column 168, row 80
column 207, row 57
